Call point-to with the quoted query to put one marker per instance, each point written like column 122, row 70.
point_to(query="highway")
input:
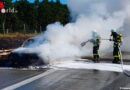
column 62, row 79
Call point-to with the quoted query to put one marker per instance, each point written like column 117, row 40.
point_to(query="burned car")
column 27, row 55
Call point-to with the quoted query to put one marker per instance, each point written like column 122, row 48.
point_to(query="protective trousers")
column 95, row 53
column 116, row 54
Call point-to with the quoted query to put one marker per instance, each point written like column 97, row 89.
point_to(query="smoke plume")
column 60, row 41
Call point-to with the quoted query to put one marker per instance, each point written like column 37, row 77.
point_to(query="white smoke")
column 114, row 14
column 87, row 15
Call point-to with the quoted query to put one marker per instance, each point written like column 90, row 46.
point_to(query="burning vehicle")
column 4, row 54
column 27, row 55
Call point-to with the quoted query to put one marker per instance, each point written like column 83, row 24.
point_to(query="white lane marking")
column 17, row 85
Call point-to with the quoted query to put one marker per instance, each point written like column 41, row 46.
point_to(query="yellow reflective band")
column 95, row 54
column 116, row 56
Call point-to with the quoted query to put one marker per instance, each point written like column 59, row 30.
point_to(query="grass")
column 18, row 35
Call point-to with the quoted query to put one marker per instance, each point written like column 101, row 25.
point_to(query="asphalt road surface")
column 62, row 79
column 66, row 79
column 12, row 76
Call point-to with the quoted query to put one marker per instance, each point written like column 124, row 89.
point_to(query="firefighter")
column 96, row 43
column 117, row 39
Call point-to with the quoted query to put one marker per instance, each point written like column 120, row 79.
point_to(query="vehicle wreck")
column 26, row 55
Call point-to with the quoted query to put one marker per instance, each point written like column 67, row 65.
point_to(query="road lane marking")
column 24, row 82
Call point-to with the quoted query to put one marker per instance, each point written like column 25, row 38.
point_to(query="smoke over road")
column 103, row 15
column 86, row 16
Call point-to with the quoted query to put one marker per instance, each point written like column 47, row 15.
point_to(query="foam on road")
column 91, row 65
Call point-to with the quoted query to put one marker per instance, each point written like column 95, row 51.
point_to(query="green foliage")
column 34, row 16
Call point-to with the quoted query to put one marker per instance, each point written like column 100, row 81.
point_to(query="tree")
column 34, row 16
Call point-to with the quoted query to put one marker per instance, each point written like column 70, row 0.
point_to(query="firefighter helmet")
column 112, row 30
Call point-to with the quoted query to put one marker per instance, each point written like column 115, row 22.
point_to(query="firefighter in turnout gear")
column 96, row 44
column 117, row 39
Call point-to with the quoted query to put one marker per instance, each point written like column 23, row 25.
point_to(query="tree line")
column 26, row 17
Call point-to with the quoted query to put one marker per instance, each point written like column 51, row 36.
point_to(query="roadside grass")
column 18, row 35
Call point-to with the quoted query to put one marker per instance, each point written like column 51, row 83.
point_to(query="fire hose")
column 122, row 63
column 84, row 43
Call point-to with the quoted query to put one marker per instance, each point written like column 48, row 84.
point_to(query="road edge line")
column 24, row 82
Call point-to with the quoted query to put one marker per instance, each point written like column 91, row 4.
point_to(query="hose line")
column 122, row 63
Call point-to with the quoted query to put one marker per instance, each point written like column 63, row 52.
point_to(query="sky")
column 62, row 1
